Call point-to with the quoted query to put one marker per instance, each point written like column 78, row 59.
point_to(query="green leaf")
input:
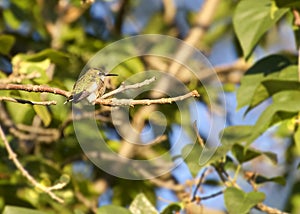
column 172, row 208
column 239, row 202
column 109, row 209
column 266, row 67
column 286, row 128
column 236, row 134
column 272, row 157
column 55, row 56
column 197, row 157
column 27, row 67
column 297, row 139
column 142, row 205
column 17, row 210
column 261, row 179
column 285, row 105
column 288, row 3
column 41, row 111
column 6, row 43
column 20, row 113
column 289, row 73
column 11, row 19
column 192, row 154
column 273, row 85
column 243, row 154
column 251, row 21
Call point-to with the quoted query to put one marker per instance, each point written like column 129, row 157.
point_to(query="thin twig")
column 168, row 184
column 124, row 87
column 131, row 102
column 270, row 210
column 156, row 141
column 21, row 101
column 26, row 132
column 25, row 173
column 35, row 88
column 37, row 130
column 199, row 183
column 212, row 195
column 200, row 140
column 91, row 204
column 20, row 78
column 296, row 17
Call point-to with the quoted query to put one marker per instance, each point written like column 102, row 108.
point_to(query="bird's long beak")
column 108, row 75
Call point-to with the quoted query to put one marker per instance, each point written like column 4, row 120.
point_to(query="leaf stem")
column 237, row 172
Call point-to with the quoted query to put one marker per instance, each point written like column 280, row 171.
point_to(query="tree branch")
column 18, row 79
column 131, row 102
column 21, row 101
column 35, row 88
column 27, row 132
column 124, row 87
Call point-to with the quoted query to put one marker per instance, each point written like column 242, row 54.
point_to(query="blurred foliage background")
column 49, row 42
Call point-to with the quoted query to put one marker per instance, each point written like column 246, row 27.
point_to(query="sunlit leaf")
column 109, row 209
column 285, row 105
column 240, row 202
column 297, row 139
column 286, row 128
column 41, row 111
column 172, row 208
column 141, row 204
column 55, row 56
column 65, row 178
column 20, row 113
column 197, row 157
column 11, row 19
column 251, row 21
column 272, row 85
column 6, row 43
column 268, row 66
column 22, row 66
column 18, row 210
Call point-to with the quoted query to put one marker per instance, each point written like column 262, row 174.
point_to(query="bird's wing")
column 79, row 96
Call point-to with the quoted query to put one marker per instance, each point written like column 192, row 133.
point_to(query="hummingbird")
column 90, row 86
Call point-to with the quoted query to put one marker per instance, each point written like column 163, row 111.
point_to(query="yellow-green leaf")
column 6, row 43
